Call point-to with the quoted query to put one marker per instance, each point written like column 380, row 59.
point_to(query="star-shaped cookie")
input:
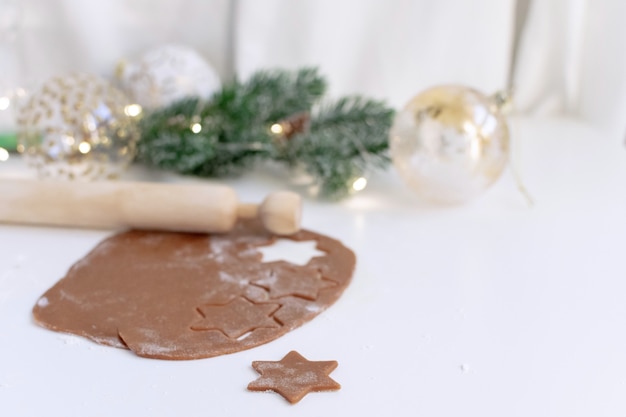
column 236, row 318
column 294, row 376
column 293, row 280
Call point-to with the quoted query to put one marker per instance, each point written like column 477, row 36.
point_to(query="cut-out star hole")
column 297, row 253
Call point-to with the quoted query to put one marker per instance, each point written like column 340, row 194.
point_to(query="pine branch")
column 346, row 139
column 233, row 123
column 230, row 131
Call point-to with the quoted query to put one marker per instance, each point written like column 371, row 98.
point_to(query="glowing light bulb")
column 5, row 102
column 84, row 147
column 277, row 129
column 359, row 184
column 133, row 110
column 4, row 154
column 196, row 128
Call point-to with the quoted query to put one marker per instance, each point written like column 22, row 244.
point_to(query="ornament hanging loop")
column 503, row 102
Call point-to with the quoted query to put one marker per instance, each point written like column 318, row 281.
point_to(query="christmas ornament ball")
column 449, row 143
column 77, row 127
column 166, row 74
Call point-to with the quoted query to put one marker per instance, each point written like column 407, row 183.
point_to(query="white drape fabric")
column 389, row 49
column 572, row 59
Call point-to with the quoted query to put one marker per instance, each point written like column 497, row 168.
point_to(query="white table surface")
column 490, row 309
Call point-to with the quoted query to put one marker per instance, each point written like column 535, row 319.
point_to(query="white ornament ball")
column 167, row 74
column 449, row 143
column 77, row 127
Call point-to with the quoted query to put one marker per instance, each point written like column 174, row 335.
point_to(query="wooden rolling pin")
column 142, row 205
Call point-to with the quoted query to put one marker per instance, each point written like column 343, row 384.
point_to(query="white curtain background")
column 572, row 59
column 387, row 49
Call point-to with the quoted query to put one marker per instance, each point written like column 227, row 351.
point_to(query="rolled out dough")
column 188, row 296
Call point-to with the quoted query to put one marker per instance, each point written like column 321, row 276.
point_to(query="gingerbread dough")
column 190, row 296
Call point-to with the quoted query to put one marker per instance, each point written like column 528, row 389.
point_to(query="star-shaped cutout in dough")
column 237, row 317
column 288, row 250
column 293, row 280
column 294, row 376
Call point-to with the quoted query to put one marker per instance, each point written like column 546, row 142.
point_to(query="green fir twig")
column 230, row 131
column 233, row 123
column 347, row 138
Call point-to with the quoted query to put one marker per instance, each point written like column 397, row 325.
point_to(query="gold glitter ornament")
column 78, row 126
column 450, row 143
